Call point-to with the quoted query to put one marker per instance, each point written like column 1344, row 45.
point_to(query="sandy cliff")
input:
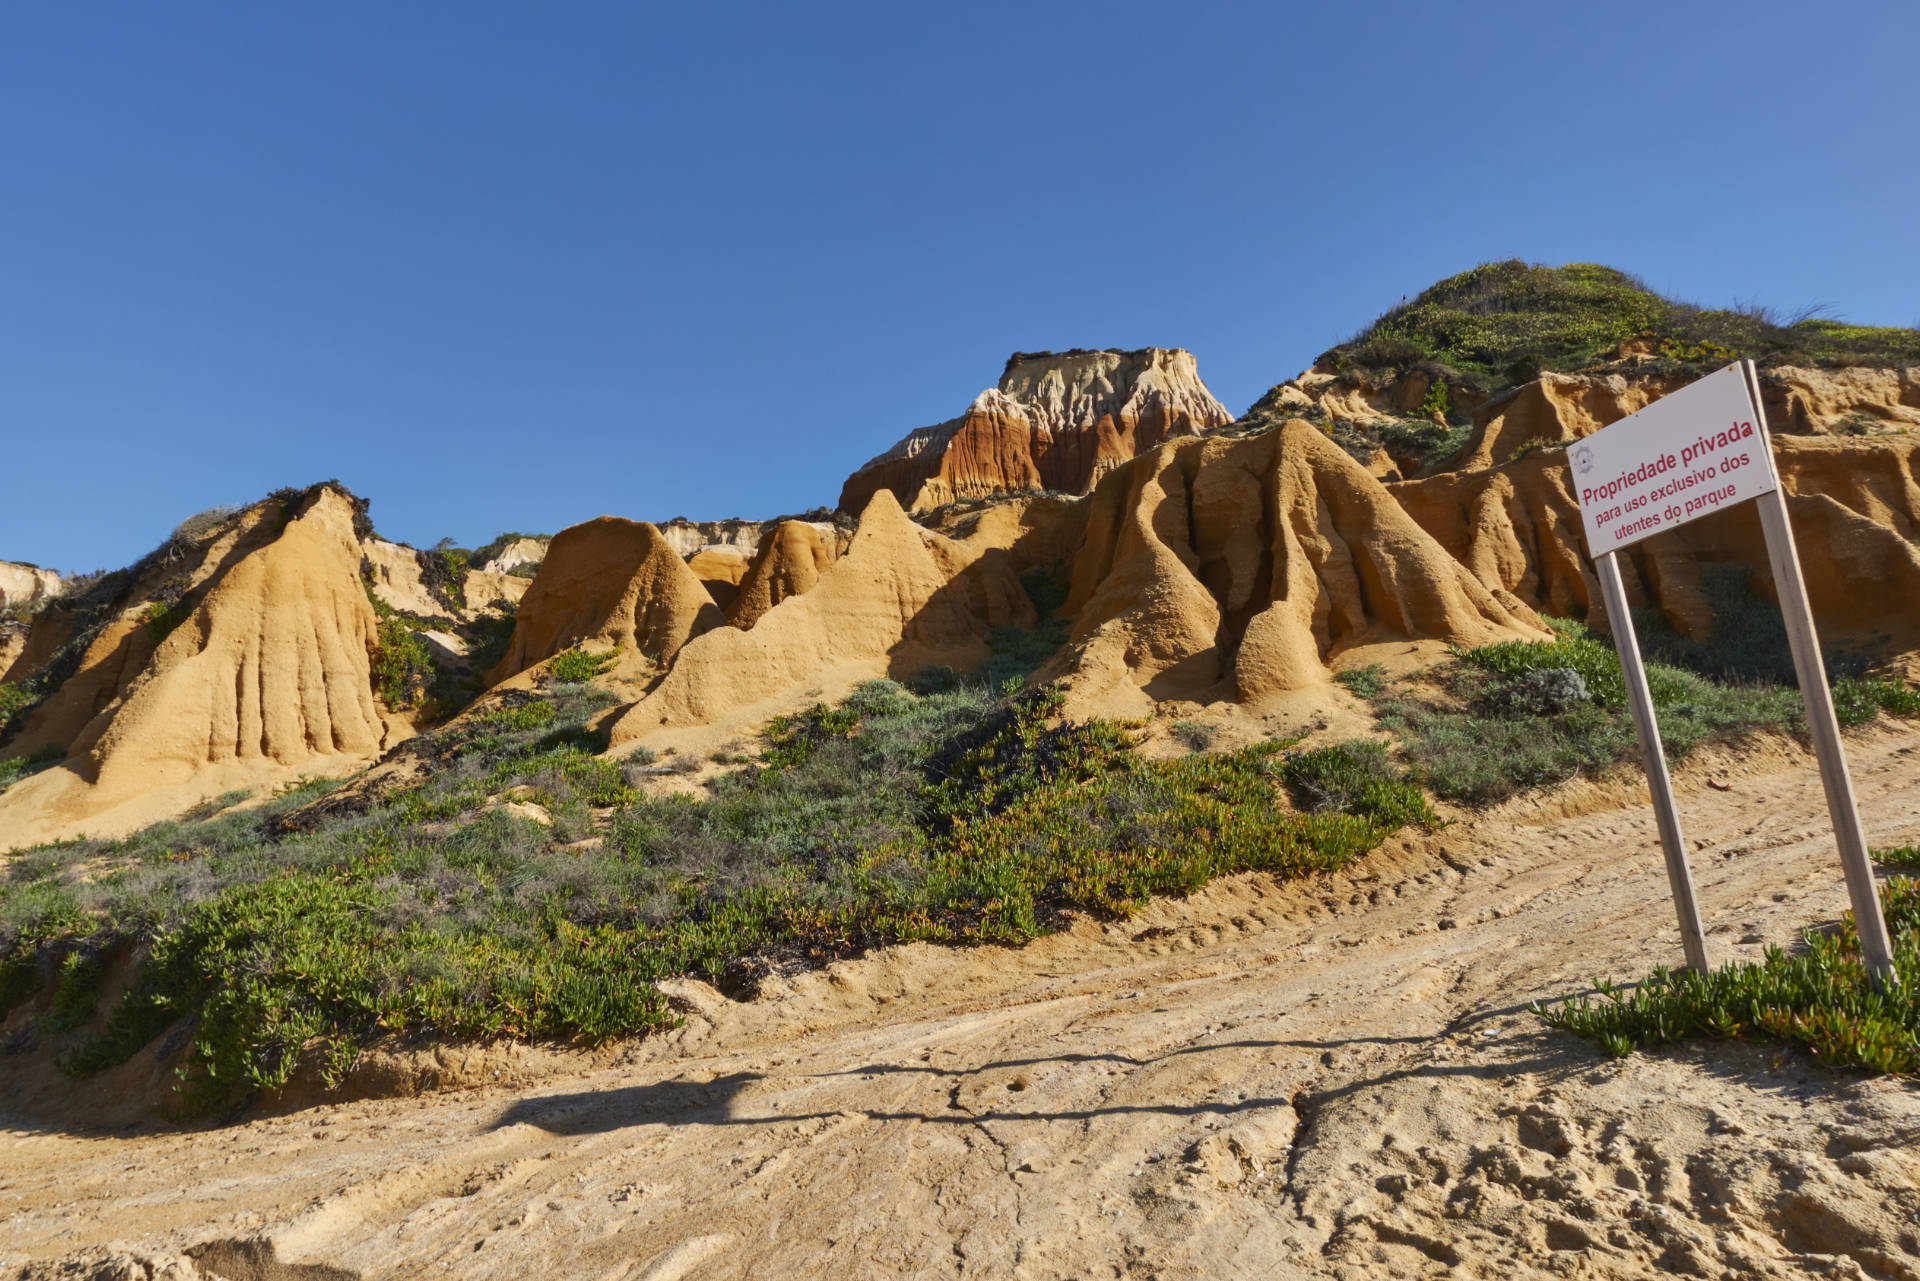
column 612, row 582
column 1053, row 422
column 242, row 664
column 23, row 584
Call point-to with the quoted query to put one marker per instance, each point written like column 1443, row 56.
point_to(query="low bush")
column 443, row 572
column 1364, row 682
column 1855, row 702
column 1543, row 691
column 962, row 815
column 1357, row 778
column 1192, row 735
column 402, row 667
column 1019, row 652
column 1592, row 660
column 577, row 666
column 1524, row 714
column 1819, row 997
column 1904, row 858
column 161, row 619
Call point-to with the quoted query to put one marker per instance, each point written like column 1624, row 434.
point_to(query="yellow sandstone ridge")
column 610, row 581
column 884, row 608
column 1854, row 503
column 1054, row 421
column 789, row 562
column 258, row 674
column 719, row 570
column 1238, row 569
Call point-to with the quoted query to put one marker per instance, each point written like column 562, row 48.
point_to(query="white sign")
column 1697, row 451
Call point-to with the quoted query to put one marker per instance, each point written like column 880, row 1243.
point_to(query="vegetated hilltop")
column 711, row 755
column 1509, row 353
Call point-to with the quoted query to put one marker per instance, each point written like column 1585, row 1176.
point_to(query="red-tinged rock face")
column 1053, row 422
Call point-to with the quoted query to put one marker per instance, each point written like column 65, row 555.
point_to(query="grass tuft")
column 1819, row 997
column 1364, row 682
column 1904, row 858
column 577, row 666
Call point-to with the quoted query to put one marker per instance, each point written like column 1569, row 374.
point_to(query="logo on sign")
column 1582, row 459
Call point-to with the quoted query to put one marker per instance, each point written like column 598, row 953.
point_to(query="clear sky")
column 511, row 266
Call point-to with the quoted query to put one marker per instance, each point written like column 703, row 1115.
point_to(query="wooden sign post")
column 1700, row 450
column 1876, row 946
column 1693, row 935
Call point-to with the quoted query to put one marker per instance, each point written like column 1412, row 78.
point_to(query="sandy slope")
column 1327, row 1079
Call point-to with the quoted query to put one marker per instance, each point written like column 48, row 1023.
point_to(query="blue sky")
column 514, row 265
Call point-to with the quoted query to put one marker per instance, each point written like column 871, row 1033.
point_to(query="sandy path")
column 1335, row 1078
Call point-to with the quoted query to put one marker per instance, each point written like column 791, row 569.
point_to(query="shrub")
column 1194, row 736
column 1820, row 997
column 402, row 666
column 297, row 931
column 1013, row 752
column 1858, row 425
column 1512, row 718
column 1593, row 661
column 1480, row 760
column 1356, row 778
column 577, row 666
column 1019, row 652
column 443, row 572
column 1904, row 858
column 1855, row 702
column 1364, row 682
column 162, row 619
column 197, row 526
column 12, row 771
column 1543, row 691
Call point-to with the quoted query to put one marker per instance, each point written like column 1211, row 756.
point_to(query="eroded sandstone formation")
column 788, row 563
column 1056, row 422
column 1557, row 408
column 23, row 584
column 514, row 554
column 719, row 570
column 1197, row 567
column 614, row 582
column 1237, row 569
column 888, row 607
column 409, row 580
column 1854, row 503
column 689, row 537
column 232, row 662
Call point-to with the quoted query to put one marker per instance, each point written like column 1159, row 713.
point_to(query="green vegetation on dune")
column 953, row 813
column 1503, row 322
column 404, row 671
column 1818, row 996
column 1904, row 858
column 1503, row 718
column 15, row 768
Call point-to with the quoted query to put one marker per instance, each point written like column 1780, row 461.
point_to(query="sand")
column 1328, row 1078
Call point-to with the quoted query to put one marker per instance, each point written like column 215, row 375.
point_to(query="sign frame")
column 1823, row 725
